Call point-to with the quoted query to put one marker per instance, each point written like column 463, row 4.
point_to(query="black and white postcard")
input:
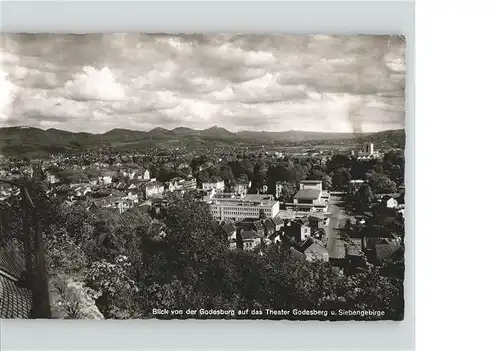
column 191, row 176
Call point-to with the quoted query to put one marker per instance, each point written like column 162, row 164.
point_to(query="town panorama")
column 211, row 204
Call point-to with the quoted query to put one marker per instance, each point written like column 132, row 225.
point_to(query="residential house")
column 314, row 250
column 269, row 227
column 298, row 231
column 146, row 175
column 241, row 188
column 129, row 174
column 123, row 186
column 377, row 243
column 259, row 228
column 130, row 196
column 179, row 183
column 275, row 238
column 122, row 205
column 248, row 240
column 189, row 184
column 111, row 202
column 153, row 189
column 172, row 185
column 229, row 229
column 136, row 189
column 117, row 193
column 264, row 188
column 106, row 180
column 388, row 200
column 278, row 223
column 279, row 189
column 52, row 179
column 79, row 191
column 217, row 186
column 383, row 248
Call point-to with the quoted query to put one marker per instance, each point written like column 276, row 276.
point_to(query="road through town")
column 335, row 244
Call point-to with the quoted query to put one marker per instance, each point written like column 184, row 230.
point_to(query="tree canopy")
column 381, row 184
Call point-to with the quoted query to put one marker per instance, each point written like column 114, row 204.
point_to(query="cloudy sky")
column 95, row 83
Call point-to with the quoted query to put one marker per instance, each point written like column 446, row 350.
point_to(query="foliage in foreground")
column 134, row 271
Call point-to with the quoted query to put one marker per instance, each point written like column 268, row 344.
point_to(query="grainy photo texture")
column 190, row 176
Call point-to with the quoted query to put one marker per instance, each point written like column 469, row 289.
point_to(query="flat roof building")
column 310, row 197
column 310, row 193
column 249, row 206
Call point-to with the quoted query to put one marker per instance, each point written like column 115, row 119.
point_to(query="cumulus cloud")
column 7, row 94
column 94, row 84
column 141, row 81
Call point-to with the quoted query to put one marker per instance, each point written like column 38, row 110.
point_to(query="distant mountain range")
column 35, row 141
column 388, row 138
column 293, row 136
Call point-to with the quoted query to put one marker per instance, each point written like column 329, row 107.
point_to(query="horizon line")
column 199, row 130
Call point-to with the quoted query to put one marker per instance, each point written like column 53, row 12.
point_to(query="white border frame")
column 353, row 17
